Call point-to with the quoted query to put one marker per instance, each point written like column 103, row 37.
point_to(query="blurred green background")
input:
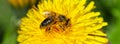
column 9, row 17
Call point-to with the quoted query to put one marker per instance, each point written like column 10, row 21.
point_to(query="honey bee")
column 54, row 18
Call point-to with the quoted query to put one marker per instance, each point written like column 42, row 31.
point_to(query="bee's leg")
column 48, row 29
column 67, row 22
column 62, row 27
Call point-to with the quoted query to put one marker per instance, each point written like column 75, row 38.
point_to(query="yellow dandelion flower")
column 62, row 22
column 22, row 3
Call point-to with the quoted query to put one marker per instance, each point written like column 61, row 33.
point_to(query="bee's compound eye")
column 62, row 18
column 47, row 22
